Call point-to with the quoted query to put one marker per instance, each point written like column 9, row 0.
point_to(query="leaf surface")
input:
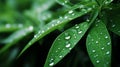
column 99, row 45
column 64, row 43
column 55, row 24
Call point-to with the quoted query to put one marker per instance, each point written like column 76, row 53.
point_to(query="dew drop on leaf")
column 106, row 37
column 67, row 37
column 67, row 45
column 102, row 48
column 51, row 64
column 76, row 26
column 107, row 52
column 8, row 25
column 60, row 56
column 97, row 61
column 93, row 51
column 108, row 43
column 71, row 11
column 113, row 25
column 96, row 42
column 79, row 32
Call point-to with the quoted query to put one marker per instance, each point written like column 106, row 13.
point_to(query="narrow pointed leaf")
column 10, row 27
column 55, row 24
column 15, row 37
column 64, row 43
column 99, row 45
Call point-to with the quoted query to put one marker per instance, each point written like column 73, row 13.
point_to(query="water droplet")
column 66, row 17
column 79, row 32
column 110, row 8
column 48, row 28
column 8, row 25
column 67, row 45
column 58, row 22
column 87, row 20
column 97, row 61
column 58, row 39
column 58, row 48
column 81, row 6
column 74, row 36
column 60, row 17
column 35, row 36
column 67, row 37
column 56, row 51
column 89, row 9
column 76, row 26
column 42, row 31
column 30, row 28
column 107, row 52
column 71, row 11
column 60, row 56
column 108, row 43
column 102, row 48
column 101, row 33
column 96, row 25
column 93, row 6
column 106, row 37
column 113, row 25
column 93, row 51
column 96, row 42
column 51, row 64
column 73, row 14
column 96, row 56
column 70, row 48
column 66, row 1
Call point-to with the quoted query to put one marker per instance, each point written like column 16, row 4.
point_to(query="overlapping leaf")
column 64, row 43
column 54, row 24
column 99, row 45
column 113, row 16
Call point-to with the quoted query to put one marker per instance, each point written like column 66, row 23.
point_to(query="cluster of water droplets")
column 51, row 62
column 14, row 25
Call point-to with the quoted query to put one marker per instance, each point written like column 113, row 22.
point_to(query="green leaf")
column 114, row 25
column 15, row 37
column 55, row 24
column 10, row 27
column 99, row 45
column 113, row 16
column 64, row 43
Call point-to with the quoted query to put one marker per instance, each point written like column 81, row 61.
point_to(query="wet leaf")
column 64, row 43
column 99, row 45
column 55, row 24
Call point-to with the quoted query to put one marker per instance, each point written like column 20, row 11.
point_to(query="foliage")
column 68, row 33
